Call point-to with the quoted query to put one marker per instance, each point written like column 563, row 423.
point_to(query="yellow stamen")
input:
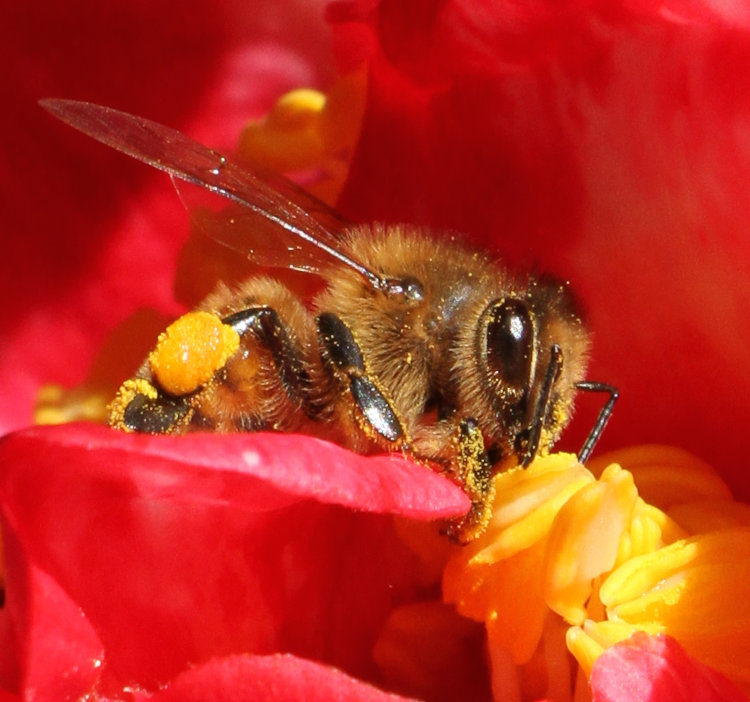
column 56, row 405
column 588, row 642
column 667, row 475
column 600, row 555
column 511, row 599
column 498, row 578
column 306, row 130
column 191, row 350
column 650, row 528
column 696, row 591
column 288, row 138
column 527, row 502
column 585, row 540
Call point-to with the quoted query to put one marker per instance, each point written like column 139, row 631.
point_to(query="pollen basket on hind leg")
column 190, row 351
column 264, row 384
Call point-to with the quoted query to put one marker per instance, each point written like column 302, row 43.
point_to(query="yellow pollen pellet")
column 191, row 350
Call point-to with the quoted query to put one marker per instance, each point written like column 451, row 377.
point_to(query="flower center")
column 579, row 561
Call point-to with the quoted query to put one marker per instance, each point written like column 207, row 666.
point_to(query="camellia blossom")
column 601, row 144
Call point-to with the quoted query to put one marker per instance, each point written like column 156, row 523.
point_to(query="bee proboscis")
column 415, row 343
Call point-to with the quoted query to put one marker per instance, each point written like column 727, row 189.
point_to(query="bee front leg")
column 475, row 473
column 374, row 414
column 459, row 446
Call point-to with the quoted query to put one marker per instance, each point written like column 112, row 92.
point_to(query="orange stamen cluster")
column 566, row 546
column 307, row 130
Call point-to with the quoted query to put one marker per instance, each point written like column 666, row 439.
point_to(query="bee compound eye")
column 509, row 342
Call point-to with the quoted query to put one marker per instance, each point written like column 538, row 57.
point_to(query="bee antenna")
column 543, row 404
column 604, row 414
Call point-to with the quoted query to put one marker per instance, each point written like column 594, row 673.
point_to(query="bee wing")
column 307, row 244
column 260, row 238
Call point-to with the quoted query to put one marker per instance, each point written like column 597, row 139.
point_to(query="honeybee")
column 415, row 344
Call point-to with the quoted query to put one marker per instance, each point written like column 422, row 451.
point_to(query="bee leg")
column 150, row 416
column 604, row 414
column 342, row 355
column 474, row 470
column 267, row 328
column 458, row 445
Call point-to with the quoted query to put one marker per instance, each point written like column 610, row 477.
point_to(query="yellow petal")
column 667, row 475
column 695, row 590
column 527, row 502
column 585, row 541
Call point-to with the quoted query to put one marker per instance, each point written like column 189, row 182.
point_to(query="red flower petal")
column 59, row 656
column 657, row 668
column 281, row 678
column 180, row 549
column 187, row 467
column 602, row 143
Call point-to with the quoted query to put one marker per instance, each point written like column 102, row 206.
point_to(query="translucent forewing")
column 298, row 238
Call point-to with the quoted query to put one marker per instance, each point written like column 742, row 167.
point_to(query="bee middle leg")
column 360, row 399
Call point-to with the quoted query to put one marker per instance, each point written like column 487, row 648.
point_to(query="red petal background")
column 281, row 678
column 603, row 143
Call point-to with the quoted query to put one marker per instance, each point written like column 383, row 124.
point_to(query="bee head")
column 531, row 349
